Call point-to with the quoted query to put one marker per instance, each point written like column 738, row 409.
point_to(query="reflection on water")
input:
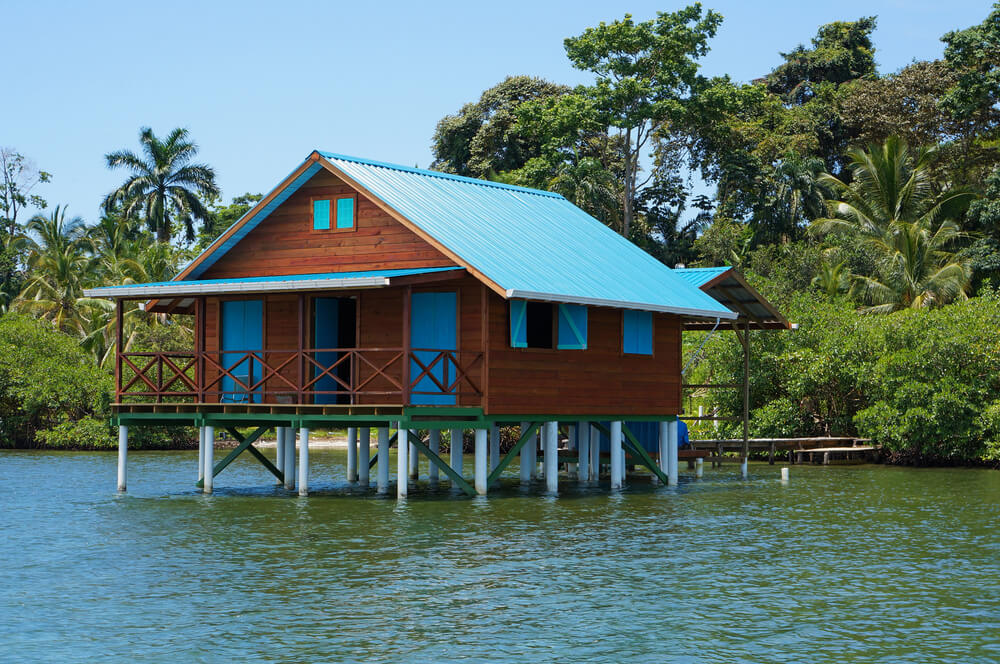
column 839, row 565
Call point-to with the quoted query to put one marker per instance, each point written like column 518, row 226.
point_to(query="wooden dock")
column 796, row 448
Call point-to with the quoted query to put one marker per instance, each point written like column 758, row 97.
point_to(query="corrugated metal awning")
column 730, row 289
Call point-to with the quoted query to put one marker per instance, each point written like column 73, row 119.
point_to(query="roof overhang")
column 179, row 294
column 619, row 304
column 730, row 288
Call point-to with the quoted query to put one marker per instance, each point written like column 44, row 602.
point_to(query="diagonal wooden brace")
column 245, row 444
column 436, row 460
column 514, row 451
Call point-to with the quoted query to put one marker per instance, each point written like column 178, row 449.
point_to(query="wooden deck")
column 774, row 445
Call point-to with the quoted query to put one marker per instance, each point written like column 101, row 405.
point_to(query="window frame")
column 333, row 199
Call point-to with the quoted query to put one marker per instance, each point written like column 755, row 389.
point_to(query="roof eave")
column 621, row 304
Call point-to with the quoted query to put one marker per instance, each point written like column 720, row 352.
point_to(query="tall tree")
column 481, row 140
column 975, row 54
column 20, row 177
column 644, row 74
column 892, row 206
column 165, row 187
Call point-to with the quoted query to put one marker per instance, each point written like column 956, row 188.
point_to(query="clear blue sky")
column 260, row 84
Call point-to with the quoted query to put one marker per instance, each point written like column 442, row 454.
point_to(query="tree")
column 221, row 217
column 892, row 206
column 164, row 187
column 482, row 138
column 644, row 73
column 975, row 54
column 61, row 265
column 841, row 51
column 20, row 177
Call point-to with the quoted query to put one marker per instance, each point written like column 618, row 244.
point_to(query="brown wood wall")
column 285, row 242
column 600, row 380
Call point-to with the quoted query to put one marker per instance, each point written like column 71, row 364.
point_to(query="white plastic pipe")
column 699, row 467
column 673, row 432
column 784, row 474
column 382, row 477
column 279, row 453
column 289, row 458
column 482, row 436
column 455, row 454
column 434, row 443
column 743, row 469
column 402, row 463
column 364, row 456
column 583, row 443
column 663, row 448
column 494, row 447
column 551, row 442
column 352, row 454
column 617, row 469
column 303, row 461
column 122, row 456
column 208, row 486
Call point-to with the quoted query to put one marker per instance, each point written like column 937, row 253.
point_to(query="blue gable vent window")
column 637, row 332
column 547, row 325
column 337, row 214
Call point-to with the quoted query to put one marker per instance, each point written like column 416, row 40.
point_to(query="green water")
column 842, row 564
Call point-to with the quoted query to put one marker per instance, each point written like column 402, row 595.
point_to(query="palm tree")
column 833, row 279
column 590, row 186
column 60, row 265
column 164, row 187
column 893, row 206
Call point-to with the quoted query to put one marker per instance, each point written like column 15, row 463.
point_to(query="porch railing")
column 309, row 376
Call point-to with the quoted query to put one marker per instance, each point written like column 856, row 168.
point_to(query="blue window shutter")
column 637, row 332
column 321, row 215
column 345, row 212
column 518, row 324
column 572, row 326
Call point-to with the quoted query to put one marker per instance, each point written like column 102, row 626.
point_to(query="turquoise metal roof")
column 255, row 284
column 532, row 244
column 698, row 276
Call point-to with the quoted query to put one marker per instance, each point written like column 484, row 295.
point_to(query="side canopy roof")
column 730, row 289
column 522, row 243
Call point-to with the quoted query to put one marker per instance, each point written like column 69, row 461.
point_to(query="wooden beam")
column 436, row 460
column 428, row 277
column 527, row 435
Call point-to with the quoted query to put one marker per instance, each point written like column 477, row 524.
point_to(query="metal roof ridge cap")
column 440, row 174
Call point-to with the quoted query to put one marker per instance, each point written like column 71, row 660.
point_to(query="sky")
column 261, row 84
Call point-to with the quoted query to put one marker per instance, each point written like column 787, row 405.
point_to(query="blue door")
column 433, row 328
column 242, row 331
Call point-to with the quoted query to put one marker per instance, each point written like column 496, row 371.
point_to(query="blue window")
column 321, row 215
column 547, row 325
column 345, row 213
column 637, row 332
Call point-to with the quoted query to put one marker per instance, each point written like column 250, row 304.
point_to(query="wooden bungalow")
column 373, row 296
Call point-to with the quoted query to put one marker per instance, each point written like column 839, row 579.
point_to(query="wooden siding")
column 600, row 380
column 285, row 242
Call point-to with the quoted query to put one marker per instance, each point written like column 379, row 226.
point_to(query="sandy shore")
column 314, row 443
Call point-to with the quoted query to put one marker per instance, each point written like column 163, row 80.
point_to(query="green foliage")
column 220, row 217
column 45, row 379
column 164, row 189
column 975, row 53
column 86, row 433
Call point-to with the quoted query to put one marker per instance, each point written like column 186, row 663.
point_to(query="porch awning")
column 730, row 289
column 290, row 282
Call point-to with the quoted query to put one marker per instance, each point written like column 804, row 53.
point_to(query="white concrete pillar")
column 617, row 463
column 494, row 447
column 402, row 463
column 525, row 456
column 364, row 456
column 122, row 456
column 784, row 474
column 551, row 443
column 279, row 449
column 201, row 453
column 455, row 453
column 482, row 442
column 382, row 467
column 661, row 448
column 303, row 461
column 434, row 443
column 673, row 429
column 595, row 454
column 743, row 469
column 352, row 454
column 414, row 458
column 583, row 443
column 289, row 458
column 699, row 467
column 209, row 479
